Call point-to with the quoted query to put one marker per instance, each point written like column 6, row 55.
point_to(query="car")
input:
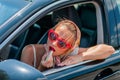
column 24, row 22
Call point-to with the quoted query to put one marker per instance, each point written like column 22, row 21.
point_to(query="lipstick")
column 51, row 48
column 49, row 55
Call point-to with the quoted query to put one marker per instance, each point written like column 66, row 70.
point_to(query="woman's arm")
column 27, row 55
column 100, row 51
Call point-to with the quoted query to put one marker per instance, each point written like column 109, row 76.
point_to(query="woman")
column 62, row 48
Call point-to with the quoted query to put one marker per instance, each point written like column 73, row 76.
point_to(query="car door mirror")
column 16, row 70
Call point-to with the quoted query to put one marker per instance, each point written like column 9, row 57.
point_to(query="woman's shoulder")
column 39, row 48
column 38, row 45
column 31, row 46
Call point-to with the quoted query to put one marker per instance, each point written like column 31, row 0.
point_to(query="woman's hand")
column 47, row 60
column 71, row 60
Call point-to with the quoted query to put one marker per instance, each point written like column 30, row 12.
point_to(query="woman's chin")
column 55, row 54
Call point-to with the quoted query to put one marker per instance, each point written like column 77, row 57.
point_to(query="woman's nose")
column 55, row 43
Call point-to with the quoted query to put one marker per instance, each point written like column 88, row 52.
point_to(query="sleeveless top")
column 74, row 52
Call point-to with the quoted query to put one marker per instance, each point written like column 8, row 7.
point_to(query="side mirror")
column 16, row 70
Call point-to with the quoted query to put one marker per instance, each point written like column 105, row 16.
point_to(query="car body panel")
column 111, row 23
column 116, row 5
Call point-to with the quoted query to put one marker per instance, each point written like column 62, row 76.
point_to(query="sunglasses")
column 61, row 43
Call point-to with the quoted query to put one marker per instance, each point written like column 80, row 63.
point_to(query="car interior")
column 84, row 15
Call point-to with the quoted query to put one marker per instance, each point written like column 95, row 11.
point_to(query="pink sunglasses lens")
column 61, row 44
column 52, row 36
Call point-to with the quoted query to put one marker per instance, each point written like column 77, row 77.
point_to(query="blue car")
column 24, row 22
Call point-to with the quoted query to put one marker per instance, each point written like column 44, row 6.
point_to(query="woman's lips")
column 51, row 48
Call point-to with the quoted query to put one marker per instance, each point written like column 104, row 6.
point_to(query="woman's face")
column 63, row 34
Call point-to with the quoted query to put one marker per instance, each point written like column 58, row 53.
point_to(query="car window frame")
column 33, row 19
column 100, row 37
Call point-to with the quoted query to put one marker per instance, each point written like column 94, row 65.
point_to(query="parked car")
column 24, row 22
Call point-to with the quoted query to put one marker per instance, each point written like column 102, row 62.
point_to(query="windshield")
column 9, row 7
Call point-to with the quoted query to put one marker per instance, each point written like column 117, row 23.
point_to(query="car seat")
column 24, row 39
column 87, row 15
column 17, row 45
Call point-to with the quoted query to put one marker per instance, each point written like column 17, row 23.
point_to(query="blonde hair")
column 74, row 29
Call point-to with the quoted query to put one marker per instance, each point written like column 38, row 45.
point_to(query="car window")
column 77, row 13
column 84, row 15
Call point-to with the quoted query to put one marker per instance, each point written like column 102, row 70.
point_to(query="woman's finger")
column 64, row 62
column 44, row 56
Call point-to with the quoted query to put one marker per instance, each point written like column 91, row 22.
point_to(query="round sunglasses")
column 61, row 43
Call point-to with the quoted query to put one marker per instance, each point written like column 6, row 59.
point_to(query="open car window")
column 85, row 16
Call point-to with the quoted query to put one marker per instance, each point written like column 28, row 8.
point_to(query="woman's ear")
column 77, row 42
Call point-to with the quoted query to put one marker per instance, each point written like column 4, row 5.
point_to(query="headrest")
column 87, row 14
column 67, row 13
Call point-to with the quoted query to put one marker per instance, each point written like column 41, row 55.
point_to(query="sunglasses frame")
column 68, row 45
